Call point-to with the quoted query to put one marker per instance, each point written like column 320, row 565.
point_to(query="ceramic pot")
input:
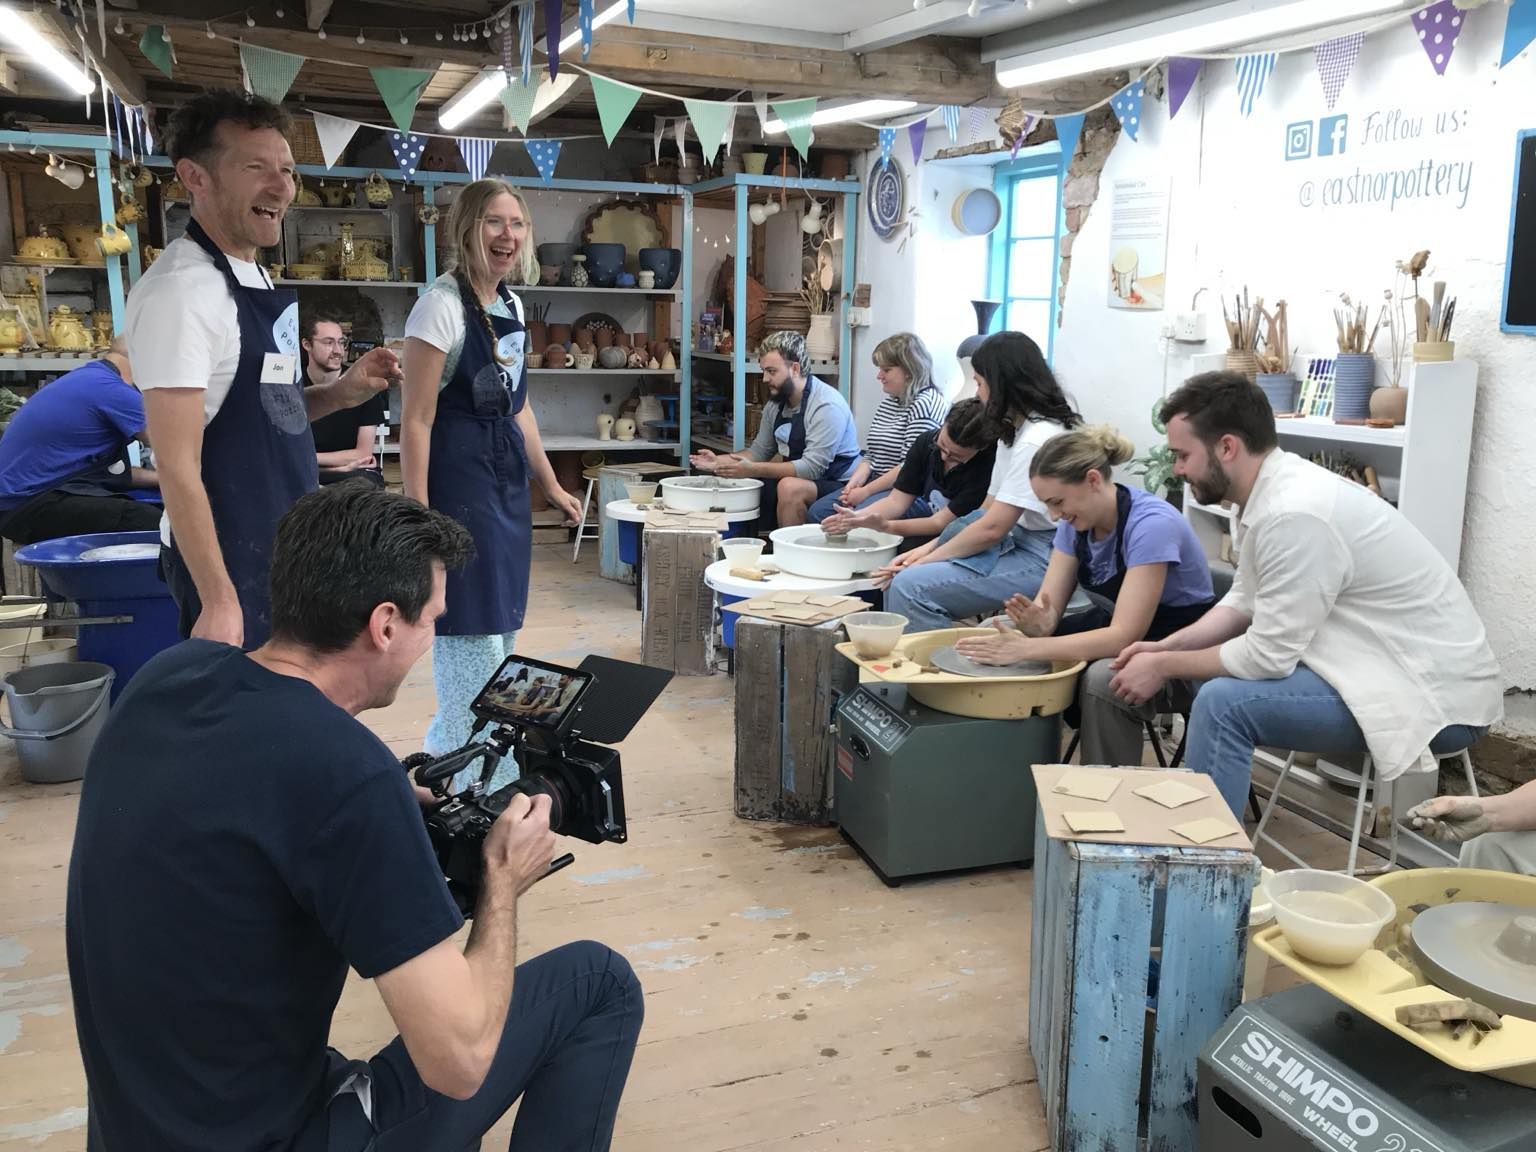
column 378, row 191
column 612, row 357
column 580, row 277
column 754, row 162
column 624, row 280
column 1434, row 352
column 604, row 426
column 558, row 256
column 624, row 428
column 554, row 355
column 640, row 340
column 1354, row 378
column 603, row 338
column 1243, row 363
column 549, row 275
column 821, row 340
column 648, row 411
column 538, row 335
column 604, row 263
column 666, row 263
column 560, row 334
column 1390, row 404
column 581, row 335
column 646, row 279
column 1281, row 388
column 584, row 361
column 534, row 360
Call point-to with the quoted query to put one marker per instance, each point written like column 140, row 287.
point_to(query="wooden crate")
column 789, row 681
column 1113, row 1066
column 17, row 579
column 610, row 487
column 677, row 615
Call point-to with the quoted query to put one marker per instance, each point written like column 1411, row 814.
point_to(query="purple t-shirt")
column 1155, row 533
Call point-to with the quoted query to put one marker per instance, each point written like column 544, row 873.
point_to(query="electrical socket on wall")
column 1189, row 327
column 858, row 317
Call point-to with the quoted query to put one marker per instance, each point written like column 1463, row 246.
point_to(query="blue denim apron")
column 479, row 476
column 258, row 453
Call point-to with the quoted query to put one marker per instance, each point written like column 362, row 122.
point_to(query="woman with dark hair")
column 1004, row 546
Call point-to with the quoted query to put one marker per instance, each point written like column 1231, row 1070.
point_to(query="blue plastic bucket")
column 629, row 542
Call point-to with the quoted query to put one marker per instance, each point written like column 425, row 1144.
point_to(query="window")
column 1025, row 268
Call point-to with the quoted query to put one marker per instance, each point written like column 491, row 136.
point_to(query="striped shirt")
column 895, row 428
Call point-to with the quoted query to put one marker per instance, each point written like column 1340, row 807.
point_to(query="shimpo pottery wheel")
column 948, row 660
column 806, row 550
column 711, row 493
column 1483, row 951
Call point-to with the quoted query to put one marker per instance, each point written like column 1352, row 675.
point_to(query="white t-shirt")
column 1010, row 474
column 183, row 330
column 438, row 319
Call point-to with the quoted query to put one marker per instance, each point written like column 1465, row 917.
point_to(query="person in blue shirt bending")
column 65, row 469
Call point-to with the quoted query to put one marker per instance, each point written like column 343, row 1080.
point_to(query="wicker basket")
column 304, row 141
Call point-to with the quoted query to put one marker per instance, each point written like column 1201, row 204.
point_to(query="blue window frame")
column 1025, row 266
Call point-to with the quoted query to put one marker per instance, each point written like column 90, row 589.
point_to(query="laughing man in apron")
column 470, row 444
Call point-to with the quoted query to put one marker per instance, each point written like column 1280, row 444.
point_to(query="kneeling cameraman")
column 243, row 840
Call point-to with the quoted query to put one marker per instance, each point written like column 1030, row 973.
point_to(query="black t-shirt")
column 338, row 431
column 241, row 842
column 964, row 486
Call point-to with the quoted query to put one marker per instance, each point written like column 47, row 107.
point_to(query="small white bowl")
column 1327, row 917
column 874, row 634
column 743, row 551
column 641, row 492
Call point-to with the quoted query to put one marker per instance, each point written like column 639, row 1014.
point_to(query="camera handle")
column 437, row 773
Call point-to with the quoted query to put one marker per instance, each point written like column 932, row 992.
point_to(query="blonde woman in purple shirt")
column 1135, row 556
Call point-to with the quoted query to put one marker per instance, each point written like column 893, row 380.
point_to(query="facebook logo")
column 1332, row 133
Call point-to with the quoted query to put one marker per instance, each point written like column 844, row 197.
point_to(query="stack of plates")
column 786, row 311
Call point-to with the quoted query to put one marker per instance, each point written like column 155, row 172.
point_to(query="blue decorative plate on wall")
column 887, row 197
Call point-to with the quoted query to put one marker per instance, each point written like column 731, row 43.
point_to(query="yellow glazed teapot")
column 10, row 330
column 378, row 191
column 304, row 197
column 336, row 195
column 43, row 248
column 65, row 331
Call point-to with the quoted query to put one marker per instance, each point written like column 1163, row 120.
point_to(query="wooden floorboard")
column 792, row 1000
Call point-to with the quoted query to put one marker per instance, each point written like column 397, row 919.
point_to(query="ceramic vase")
column 985, row 311
column 1281, row 389
column 1243, row 363
column 648, row 410
column 579, row 277
column 1354, row 378
column 821, row 340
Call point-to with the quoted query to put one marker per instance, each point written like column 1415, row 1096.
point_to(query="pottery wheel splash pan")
column 1481, row 950
column 948, row 660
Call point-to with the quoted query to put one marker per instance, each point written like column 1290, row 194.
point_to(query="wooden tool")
column 1438, row 309
column 749, row 574
column 1421, row 318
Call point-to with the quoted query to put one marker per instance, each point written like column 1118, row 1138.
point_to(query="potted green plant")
column 1156, row 467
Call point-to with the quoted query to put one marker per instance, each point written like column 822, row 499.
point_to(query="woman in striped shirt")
column 911, row 406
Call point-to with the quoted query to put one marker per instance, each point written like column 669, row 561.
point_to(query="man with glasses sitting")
column 344, row 440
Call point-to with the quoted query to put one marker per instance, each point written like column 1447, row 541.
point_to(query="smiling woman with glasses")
column 469, row 444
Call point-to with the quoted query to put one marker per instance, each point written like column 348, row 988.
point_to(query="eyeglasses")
column 332, row 342
column 504, row 223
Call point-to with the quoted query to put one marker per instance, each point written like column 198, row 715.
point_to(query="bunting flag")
column 269, row 72
column 952, row 122
column 1183, row 71
column 525, row 45
column 887, row 142
column 518, row 100
column 1069, row 129
column 978, row 123
column 711, row 120
column 584, row 22
column 615, row 101
column 796, row 115
column 680, row 134
column 1127, row 106
column 1438, row 27
column 407, row 148
column 552, row 17
column 1519, row 30
column 730, row 129
column 1024, row 130
column 400, row 89
column 631, row 11
column 544, row 153
column 1252, row 72
column 335, row 133
column 656, row 137
column 760, row 102
column 1335, row 61
column 476, row 153
column 915, row 133
column 155, row 45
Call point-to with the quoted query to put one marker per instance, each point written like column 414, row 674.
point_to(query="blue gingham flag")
column 407, row 150
column 952, row 122
column 544, row 153
column 887, row 141
column 1252, row 71
column 476, row 153
column 1127, row 106
column 1335, row 60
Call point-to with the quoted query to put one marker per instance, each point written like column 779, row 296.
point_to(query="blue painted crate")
column 1115, row 1051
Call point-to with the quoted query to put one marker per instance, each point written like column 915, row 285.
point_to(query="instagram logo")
column 1298, row 140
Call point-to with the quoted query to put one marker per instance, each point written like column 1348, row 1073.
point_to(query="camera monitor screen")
column 524, row 691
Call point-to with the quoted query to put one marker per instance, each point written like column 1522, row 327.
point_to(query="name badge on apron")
column 279, row 368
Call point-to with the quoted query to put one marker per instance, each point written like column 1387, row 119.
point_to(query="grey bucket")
column 56, row 713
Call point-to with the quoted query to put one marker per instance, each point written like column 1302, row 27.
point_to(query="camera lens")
column 540, row 783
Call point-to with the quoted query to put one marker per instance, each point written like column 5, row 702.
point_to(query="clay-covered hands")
column 704, row 461
column 846, row 518
column 727, row 466
column 1031, row 618
column 1138, row 673
column 373, row 373
column 883, row 576
column 1005, row 646
column 1449, row 818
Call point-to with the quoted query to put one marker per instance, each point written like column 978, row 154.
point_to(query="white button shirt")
column 1334, row 577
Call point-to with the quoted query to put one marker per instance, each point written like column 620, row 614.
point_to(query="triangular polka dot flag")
column 1335, row 61
column 518, row 99
column 1519, row 30
column 476, row 153
column 400, row 89
column 1127, row 106
column 710, row 119
column 1438, row 27
column 335, row 134
column 584, row 22
column 1252, row 72
column 1183, row 71
column 268, row 72
column 797, row 115
column 615, row 101
column 887, row 142
column 544, row 153
column 952, row 122
column 915, row 133
column 407, row 149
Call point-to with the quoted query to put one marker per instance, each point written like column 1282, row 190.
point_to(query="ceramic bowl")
column 874, row 633
column 743, row 551
column 604, row 263
column 641, row 491
column 1327, row 917
column 534, row 360
column 666, row 263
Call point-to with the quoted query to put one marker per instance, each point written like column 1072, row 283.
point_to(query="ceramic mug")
column 647, row 279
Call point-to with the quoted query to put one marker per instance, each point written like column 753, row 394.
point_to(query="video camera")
column 555, row 722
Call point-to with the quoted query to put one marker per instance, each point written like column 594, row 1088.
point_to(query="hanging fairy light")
column 438, row 35
column 118, row 27
column 404, row 39
column 278, row 12
column 321, row 33
column 250, row 21
column 208, row 28
column 361, row 39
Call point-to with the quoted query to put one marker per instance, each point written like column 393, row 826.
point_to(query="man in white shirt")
column 215, row 352
column 1344, row 632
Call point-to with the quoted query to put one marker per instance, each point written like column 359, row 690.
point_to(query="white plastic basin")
column 1327, row 917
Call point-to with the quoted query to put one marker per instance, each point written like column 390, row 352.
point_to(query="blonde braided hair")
column 469, row 249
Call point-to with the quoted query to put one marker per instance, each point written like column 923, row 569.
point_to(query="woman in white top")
column 469, row 443
column 1004, row 546
column 910, row 406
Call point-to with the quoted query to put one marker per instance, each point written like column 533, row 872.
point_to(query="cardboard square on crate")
column 691, row 521
column 1094, row 822
column 1203, row 831
column 1146, row 821
column 1087, row 785
column 795, row 608
column 1171, row 793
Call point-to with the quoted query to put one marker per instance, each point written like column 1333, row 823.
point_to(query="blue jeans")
column 935, row 595
column 827, row 505
column 566, row 1049
column 1302, row 712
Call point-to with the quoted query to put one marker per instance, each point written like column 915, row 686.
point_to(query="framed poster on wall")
column 1138, row 244
column 1518, row 313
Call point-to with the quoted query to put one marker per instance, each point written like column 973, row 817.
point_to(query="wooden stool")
column 591, row 476
column 1103, row 913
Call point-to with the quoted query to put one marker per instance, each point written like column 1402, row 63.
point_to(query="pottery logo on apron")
column 781, row 434
column 497, row 381
column 284, row 403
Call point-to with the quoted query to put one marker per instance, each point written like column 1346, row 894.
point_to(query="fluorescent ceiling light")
column 471, row 98
column 39, row 51
column 1222, row 26
column 846, row 112
column 607, row 16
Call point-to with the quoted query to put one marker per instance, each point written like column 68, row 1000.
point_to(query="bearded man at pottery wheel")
column 806, row 424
